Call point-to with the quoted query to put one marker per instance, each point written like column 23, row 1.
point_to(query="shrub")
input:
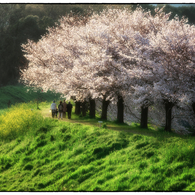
column 104, row 126
column 18, row 120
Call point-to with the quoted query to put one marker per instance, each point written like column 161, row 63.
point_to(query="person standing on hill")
column 53, row 109
column 60, row 110
column 64, row 109
column 69, row 109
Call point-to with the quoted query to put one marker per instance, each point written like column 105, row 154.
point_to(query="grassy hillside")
column 38, row 153
column 18, row 94
column 64, row 155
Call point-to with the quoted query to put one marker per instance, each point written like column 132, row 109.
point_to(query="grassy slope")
column 58, row 155
column 77, row 155
column 18, row 94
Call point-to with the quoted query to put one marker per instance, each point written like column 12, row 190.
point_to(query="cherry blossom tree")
column 95, row 62
column 51, row 60
column 158, row 50
column 125, row 34
column 117, row 56
column 157, row 54
column 171, row 51
column 93, row 47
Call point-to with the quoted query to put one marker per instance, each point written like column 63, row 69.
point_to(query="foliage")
column 18, row 120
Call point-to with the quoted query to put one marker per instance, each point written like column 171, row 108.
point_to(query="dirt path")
column 46, row 113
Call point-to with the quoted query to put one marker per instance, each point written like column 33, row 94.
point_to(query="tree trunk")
column 77, row 107
column 120, row 109
column 144, row 117
column 91, row 108
column 84, row 108
column 168, row 109
column 104, row 109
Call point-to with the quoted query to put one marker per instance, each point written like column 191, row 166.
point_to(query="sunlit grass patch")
column 18, row 120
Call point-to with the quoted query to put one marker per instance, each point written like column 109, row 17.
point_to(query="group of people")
column 61, row 110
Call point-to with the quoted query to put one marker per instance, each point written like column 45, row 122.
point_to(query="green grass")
column 18, row 94
column 58, row 155
column 38, row 153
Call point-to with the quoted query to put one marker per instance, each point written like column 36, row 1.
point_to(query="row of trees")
column 118, row 56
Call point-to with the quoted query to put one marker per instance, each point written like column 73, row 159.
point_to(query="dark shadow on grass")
column 160, row 135
column 102, row 152
column 134, row 129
